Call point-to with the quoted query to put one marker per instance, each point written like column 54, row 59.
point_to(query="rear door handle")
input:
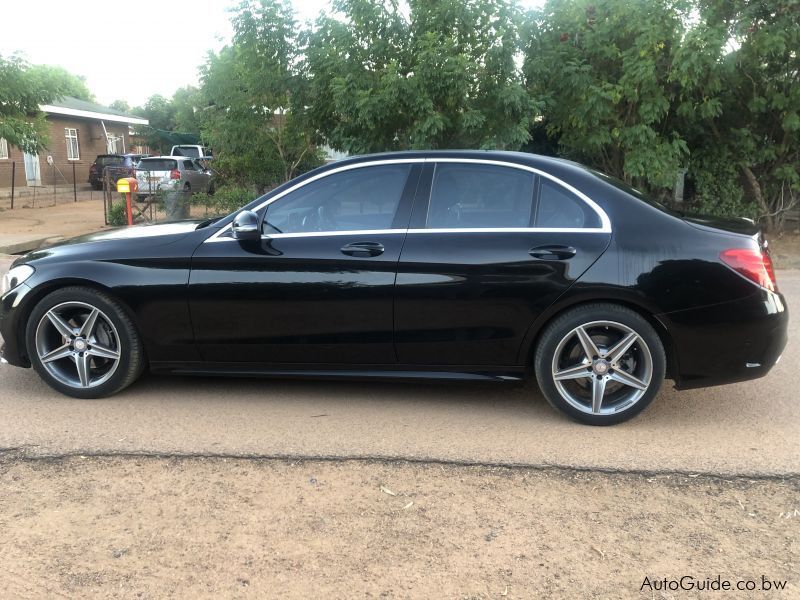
column 363, row 249
column 554, row 252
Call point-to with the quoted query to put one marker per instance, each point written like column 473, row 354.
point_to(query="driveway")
column 745, row 429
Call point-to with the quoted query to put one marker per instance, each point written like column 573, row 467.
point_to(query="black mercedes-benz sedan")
column 443, row 265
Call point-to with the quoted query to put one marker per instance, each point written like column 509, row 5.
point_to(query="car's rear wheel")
column 600, row 364
column 83, row 343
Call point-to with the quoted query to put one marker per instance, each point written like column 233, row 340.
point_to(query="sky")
column 127, row 50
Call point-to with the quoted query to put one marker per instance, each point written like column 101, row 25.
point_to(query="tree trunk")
column 765, row 210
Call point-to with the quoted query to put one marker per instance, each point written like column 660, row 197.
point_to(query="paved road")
column 749, row 428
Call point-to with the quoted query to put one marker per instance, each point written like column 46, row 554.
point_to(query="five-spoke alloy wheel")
column 600, row 364
column 83, row 343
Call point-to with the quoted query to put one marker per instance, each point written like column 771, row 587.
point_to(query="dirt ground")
column 207, row 528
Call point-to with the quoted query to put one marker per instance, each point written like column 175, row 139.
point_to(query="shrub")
column 117, row 215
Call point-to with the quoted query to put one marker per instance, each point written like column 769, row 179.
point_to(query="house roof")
column 74, row 107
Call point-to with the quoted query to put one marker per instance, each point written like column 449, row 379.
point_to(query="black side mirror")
column 245, row 226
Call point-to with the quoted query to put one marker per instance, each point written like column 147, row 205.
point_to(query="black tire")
column 606, row 324
column 131, row 361
column 97, row 185
column 187, row 187
column 211, row 189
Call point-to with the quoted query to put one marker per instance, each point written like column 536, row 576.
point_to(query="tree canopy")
column 645, row 90
column 21, row 92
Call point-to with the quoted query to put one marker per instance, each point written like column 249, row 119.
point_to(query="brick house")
column 78, row 132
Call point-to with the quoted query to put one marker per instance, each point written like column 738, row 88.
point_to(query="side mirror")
column 245, row 226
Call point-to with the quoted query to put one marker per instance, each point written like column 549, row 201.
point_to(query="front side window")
column 3, row 148
column 71, row 136
column 560, row 208
column 360, row 199
column 477, row 196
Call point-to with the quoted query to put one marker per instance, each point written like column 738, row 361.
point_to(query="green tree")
column 120, row 105
column 439, row 75
column 250, row 114
column 22, row 124
column 185, row 104
column 67, row 83
column 603, row 71
column 748, row 143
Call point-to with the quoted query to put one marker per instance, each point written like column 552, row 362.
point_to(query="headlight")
column 14, row 277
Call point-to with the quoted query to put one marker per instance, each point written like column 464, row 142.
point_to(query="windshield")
column 156, row 164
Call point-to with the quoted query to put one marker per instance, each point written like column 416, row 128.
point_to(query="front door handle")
column 554, row 252
column 363, row 249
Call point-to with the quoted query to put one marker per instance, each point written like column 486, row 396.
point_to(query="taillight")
column 753, row 264
column 175, row 174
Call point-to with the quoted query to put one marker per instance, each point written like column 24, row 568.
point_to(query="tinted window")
column 107, row 161
column 188, row 165
column 479, row 196
column 354, row 200
column 192, row 151
column 156, row 164
column 558, row 207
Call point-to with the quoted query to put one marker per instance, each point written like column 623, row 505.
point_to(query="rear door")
column 490, row 246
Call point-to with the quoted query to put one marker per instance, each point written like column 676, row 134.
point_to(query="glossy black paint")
column 440, row 305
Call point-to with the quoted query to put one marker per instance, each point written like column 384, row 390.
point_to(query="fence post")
column 13, row 181
column 53, row 171
column 74, row 186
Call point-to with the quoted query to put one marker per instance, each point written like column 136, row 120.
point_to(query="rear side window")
column 560, row 208
column 110, row 161
column 188, row 165
column 157, row 164
column 479, row 196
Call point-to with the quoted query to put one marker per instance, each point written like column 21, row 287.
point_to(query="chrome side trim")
column 513, row 230
column 304, row 234
column 604, row 220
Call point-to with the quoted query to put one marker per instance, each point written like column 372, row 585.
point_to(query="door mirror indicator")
column 245, row 226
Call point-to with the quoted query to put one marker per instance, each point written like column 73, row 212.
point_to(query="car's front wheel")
column 83, row 343
column 600, row 363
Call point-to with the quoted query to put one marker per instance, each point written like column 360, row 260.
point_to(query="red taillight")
column 175, row 174
column 753, row 264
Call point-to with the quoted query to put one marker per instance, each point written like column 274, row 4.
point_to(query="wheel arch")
column 37, row 294
column 541, row 324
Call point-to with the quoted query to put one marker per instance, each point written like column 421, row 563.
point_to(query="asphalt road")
column 750, row 428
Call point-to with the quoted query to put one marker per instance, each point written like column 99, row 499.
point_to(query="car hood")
column 123, row 237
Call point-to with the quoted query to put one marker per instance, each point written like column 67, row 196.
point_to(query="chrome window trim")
column 604, row 220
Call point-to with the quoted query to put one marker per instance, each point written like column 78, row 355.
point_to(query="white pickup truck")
column 191, row 151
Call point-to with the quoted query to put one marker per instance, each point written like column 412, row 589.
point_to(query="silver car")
column 171, row 173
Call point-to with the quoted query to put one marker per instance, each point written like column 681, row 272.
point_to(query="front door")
column 32, row 173
column 483, row 258
column 318, row 288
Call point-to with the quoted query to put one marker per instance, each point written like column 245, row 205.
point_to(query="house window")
column 72, row 143
column 115, row 144
column 3, row 148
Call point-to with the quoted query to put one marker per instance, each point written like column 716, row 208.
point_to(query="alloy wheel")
column 602, row 367
column 78, row 344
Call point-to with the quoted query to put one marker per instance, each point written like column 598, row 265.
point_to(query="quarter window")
column 560, row 208
column 3, row 148
column 355, row 200
column 71, row 136
column 478, row 196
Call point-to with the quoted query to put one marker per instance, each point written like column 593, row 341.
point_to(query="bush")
column 225, row 200
column 117, row 215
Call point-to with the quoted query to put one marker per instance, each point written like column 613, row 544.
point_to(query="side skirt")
column 354, row 372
